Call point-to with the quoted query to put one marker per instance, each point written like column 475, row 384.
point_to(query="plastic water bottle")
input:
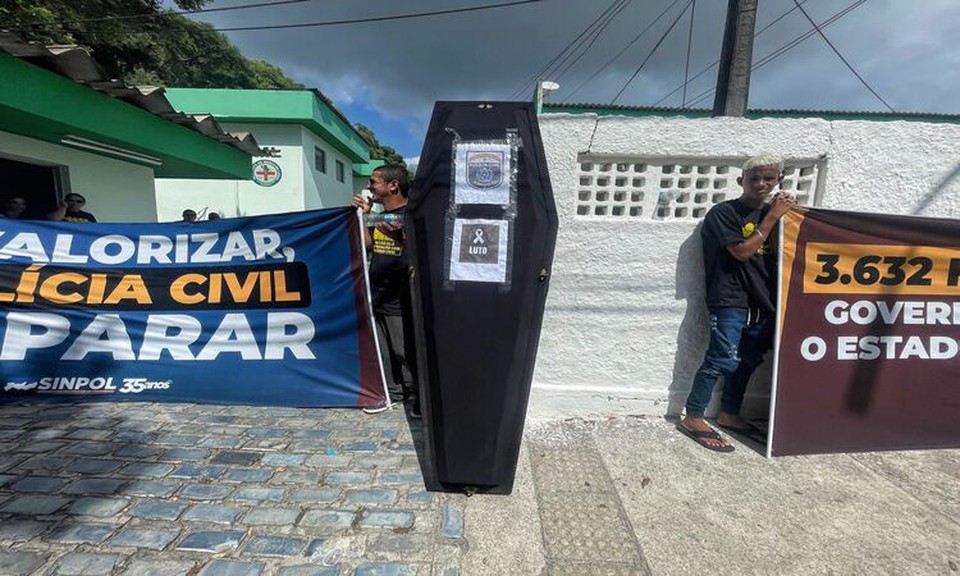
column 371, row 218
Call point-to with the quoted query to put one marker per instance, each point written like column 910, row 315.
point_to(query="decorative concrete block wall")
column 625, row 325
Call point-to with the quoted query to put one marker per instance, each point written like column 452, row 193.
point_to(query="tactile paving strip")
column 596, row 569
column 585, row 529
column 574, row 470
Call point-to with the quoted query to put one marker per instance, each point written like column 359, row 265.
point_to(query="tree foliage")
column 140, row 42
column 377, row 150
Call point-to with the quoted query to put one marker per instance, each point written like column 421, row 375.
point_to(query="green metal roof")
column 42, row 104
column 618, row 110
column 304, row 107
column 366, row 170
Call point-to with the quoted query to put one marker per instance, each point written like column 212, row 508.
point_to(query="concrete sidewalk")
column 172, row 489
column 634, row 496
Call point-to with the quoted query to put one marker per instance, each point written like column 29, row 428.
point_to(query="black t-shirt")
column 389, row 271
column 78, row 216
column 731, row 283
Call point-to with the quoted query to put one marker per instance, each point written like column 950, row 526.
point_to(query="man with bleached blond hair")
column 741, row 280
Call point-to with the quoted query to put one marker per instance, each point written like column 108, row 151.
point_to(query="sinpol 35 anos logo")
column 85, row 385
column 137, row 385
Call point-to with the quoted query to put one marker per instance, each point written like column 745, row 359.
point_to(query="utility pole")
column 733, row 79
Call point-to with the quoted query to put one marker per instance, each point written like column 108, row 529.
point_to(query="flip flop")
column 699, row 436
column 751, row 432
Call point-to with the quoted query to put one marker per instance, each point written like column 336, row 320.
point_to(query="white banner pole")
column 373, row 321
column 776, row 343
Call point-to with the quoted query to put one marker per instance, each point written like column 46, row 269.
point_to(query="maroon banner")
column 868, row 354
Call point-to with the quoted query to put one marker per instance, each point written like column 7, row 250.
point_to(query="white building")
column 314, row 151
column 65, row 127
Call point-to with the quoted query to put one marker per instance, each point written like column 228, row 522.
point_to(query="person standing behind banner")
column 390, row 283
column 741, row 283
column 14, row 208
column 70, row 210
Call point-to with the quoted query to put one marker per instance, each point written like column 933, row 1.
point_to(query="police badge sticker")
column 479, row 252
column 485, row 169
column 483, row 172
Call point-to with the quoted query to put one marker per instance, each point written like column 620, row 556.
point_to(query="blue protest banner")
column 262, row 310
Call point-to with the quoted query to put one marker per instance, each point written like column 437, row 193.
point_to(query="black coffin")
column 480, row 254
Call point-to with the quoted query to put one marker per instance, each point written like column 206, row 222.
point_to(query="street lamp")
column 544, row 86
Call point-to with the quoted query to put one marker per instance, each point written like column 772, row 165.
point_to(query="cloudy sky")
column 388, row 74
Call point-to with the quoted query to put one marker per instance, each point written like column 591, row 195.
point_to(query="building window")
column 340, row 175
column 320, row 160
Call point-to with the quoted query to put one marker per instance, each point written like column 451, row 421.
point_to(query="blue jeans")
column 738, row 341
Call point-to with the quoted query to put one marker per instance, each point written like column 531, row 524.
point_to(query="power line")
column 788, row 46
column 520, row 89
column 844, row 60
column 686, row 69
column 284, row 26
column 809, row 33
column 596, row 36
column 652, row 52
column 710, row 67
column 569, row 47
column 169, row 12
column 376, row 18
column 589, row 38
column 620, row 53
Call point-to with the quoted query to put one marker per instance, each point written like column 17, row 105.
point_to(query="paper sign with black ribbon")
column 479, row 250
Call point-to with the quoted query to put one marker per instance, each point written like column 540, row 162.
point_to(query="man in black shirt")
column 70, row 210
column 741, row 281
column 390, row 282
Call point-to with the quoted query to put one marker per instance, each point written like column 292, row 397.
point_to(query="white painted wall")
column 301, row 187
column 625, row 324
column 204, row 196
column 116, row 190
column 324, row 190
column 233, row 198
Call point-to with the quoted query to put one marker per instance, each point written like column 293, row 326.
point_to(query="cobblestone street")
column 183, row 489
column 218, row 490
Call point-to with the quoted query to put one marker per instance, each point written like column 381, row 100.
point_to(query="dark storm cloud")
column 908, row 51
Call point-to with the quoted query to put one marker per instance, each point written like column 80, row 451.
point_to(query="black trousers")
column 399, row 357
